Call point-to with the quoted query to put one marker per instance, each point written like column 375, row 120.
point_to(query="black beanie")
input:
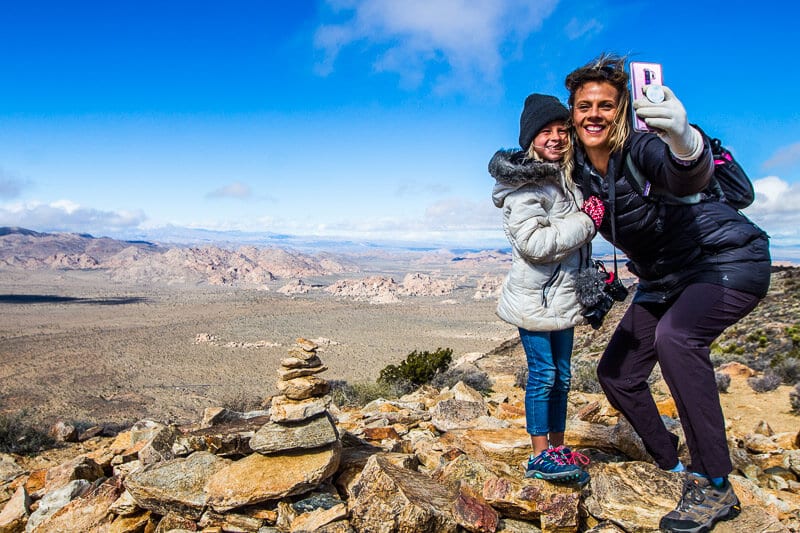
column 539, row 111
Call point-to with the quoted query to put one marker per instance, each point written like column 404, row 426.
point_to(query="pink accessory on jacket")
column 594, row 207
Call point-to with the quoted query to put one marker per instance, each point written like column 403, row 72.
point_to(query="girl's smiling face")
column 550, row 141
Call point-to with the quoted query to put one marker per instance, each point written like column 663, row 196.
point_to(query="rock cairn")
column 299, row 417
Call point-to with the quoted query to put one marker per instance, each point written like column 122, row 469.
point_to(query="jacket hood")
column 513, row 167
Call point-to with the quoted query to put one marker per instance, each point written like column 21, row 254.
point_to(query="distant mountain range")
column 219, row 258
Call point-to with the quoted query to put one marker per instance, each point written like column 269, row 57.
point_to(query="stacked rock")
column 299, row 417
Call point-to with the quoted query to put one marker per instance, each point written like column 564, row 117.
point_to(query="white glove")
column 669, row 120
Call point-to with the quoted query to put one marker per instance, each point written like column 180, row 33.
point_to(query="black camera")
column 597, row 290
column 616, row 290
column 595, row 314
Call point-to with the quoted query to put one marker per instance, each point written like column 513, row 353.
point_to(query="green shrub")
column 241, row 402
column 787, row 368
column 469, row 374
column 359, row 394
column 521, row 377
column 18, row 436
column 584, row 376
column 730, row 347
column 758, row 337
column 769, row 381
column 418, row 368
column 793, row 332
column 794, row 399
column 723, row 381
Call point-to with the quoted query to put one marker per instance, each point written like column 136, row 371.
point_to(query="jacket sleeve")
column 652, row 156
column 538, row 236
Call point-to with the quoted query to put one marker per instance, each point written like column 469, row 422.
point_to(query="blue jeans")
column 548, row 354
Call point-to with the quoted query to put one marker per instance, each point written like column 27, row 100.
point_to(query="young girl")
column 550, row 239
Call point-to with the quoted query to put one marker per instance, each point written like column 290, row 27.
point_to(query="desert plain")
column 78, row 346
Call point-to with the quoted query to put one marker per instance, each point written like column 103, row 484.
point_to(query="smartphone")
column 643, row 77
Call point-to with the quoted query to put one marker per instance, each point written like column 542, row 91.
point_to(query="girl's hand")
column 594, row 207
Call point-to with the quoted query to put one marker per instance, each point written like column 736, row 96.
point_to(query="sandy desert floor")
column 77, row 347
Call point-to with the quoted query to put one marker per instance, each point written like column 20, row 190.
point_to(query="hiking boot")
column 551, row 466
column 702, row 505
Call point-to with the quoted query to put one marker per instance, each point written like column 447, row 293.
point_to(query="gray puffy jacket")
column 550, row 239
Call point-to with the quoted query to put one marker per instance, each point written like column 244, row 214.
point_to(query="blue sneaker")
column 550, row 465
column 583, row 478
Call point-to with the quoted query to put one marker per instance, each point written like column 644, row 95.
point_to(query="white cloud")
column 10, row 186
column 414, row 188
column 776, row 209
column 454, row 220
column 65, row 215
column 774, row 195
column 465, row 36
column 582, row 28
column 784, row 156
column 236, row 189
column 459, row 213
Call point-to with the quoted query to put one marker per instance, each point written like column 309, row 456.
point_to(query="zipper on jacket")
column 548, row 284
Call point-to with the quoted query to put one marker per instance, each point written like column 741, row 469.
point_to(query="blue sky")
column 364, row 119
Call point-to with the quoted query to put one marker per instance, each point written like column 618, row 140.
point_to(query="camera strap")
column 612, row 196
column 586, row 175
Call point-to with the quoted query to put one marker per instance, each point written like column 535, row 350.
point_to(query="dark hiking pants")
column 678, row 336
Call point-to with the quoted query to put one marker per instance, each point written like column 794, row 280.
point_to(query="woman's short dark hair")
column 609, row 68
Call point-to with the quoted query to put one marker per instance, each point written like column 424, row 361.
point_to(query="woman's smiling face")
column 593, row 113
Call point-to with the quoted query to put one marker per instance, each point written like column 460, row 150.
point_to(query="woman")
column 701, row 268
column 550, row 238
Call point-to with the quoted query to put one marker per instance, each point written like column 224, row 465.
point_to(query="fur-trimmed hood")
column 513, row 169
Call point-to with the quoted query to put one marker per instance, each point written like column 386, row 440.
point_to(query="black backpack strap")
column 612, row 209
column 648, row 191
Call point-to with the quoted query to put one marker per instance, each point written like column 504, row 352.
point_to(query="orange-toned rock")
column 736, row 369
column 381, row 433
column 667, row 407
column 509, row 411
column 259, row 478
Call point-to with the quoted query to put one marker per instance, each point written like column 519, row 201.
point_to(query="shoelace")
column 573, row 458
column 555, row 455
column 692, row 494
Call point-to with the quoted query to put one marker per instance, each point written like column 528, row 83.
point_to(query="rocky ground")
column 444, row 460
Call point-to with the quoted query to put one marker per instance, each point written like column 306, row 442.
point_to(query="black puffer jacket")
column 671, row 246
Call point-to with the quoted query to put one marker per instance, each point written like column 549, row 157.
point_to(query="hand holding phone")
column 646, row 82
